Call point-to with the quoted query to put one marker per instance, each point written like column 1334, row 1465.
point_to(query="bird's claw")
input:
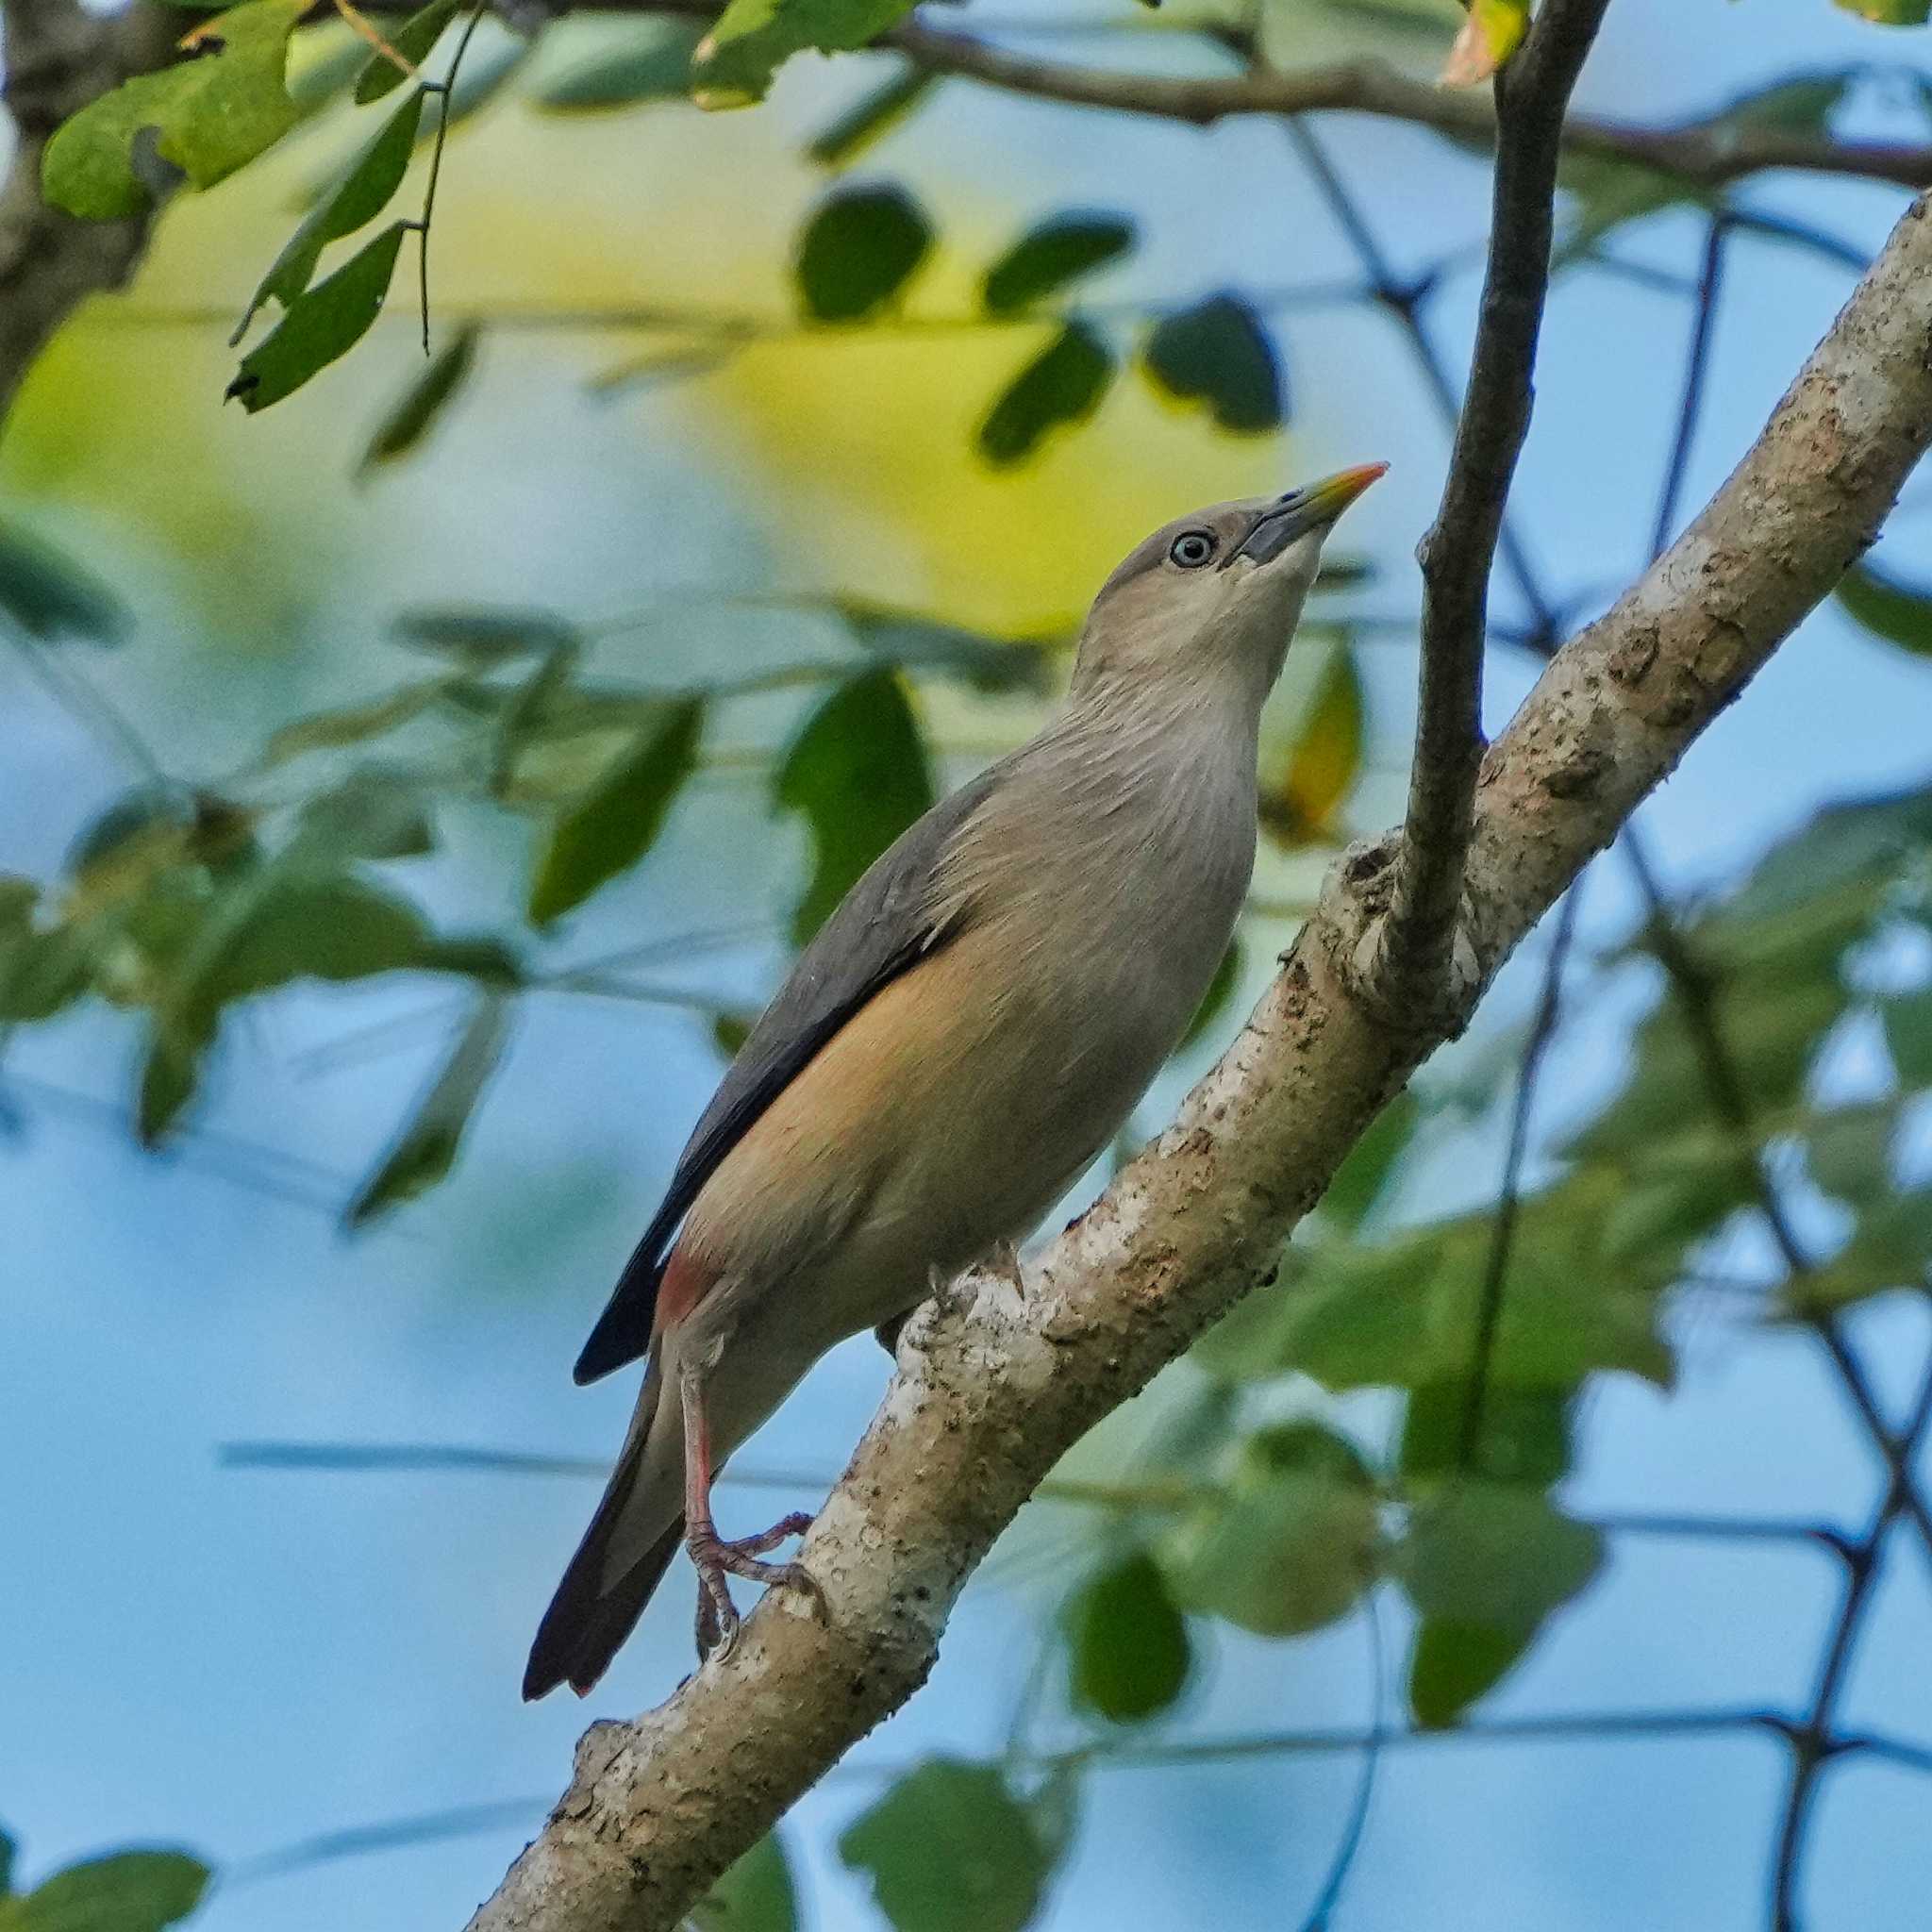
column 716, row 1558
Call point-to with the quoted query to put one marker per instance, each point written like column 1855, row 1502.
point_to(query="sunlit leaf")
column 1486, row 1565
column 757, row 1895
column 871, row 118
column 609, row 830
column 1491, row 34
column 211, row 114
column 858, row 772
column 859, row 250
column 1301, row 792
column 1292, row 1543
column 321, row 324
column 426, row 1150
column 363, row 192
column 736, row 61
column 1217, row 353
column 1890, row 13
column 125, row 1891
column 49, row 594
column 1888, row 609
column 1046, row 259
column 1129, row 1643
column 1062, row 385
column 413, row 41
column 654, row 66
column 950, row 1849
column 419, row 406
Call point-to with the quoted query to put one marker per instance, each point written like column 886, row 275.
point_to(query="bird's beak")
column 1314, row 507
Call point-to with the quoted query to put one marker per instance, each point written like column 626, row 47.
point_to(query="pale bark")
column 990, row 1392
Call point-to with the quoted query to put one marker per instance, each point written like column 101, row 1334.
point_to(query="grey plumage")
column 966, row 1032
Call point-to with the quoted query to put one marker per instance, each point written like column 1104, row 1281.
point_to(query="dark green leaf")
column 730, row 1031
column 757, row 1895
column 356, row 724
column 412, row 40
column 1486, row 1565
column 170, row 1072
column 859, row 250
column 326, row 321
column 426, row 1150
column 419, row 405
column 1219, row 354
column 1220, row 989
column 6, row 1851
column 1521, row 1436
column 1063, row 384
column 1291, row 1545
column 528, row 711
column 859, row 772
column 302, row 926
column 1891, row 1247
column 1362, row 1179
column 126, row 1891
column 950, row 1849
column 752, row 38
column 1129, row 1643
column 1046, row 259
column 1851, row 1152
column 871, row 118
column 654, row 66
column 363, row 192
column 993, row 665
column 482, row 638
column 211, row 115
column 610, row 828
column 50, row 595
column 1888, row 608
column 373, row 813
column 41, row 972
column 1908, row 1036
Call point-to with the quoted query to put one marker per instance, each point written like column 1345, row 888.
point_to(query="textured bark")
column 991, row 1389
column 60, row 58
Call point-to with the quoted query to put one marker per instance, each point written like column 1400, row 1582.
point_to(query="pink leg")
column 715, row 1558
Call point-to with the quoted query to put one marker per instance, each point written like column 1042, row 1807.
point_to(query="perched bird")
column 961, row 1038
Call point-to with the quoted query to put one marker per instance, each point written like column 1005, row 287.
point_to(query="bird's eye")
column 1191, row 549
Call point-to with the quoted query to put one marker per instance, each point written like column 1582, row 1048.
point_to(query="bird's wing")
column 883, row 927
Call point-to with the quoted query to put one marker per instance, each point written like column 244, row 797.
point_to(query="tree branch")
column 986, row 1398
column 60, row 58
column 1414, row 958
column 1705, row 153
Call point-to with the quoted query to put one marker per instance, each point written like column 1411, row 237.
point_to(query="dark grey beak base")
column 1275, row 529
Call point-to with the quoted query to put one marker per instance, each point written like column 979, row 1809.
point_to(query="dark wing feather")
column 882, row 927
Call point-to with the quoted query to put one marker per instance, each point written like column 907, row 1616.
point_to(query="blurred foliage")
column 124, row 1891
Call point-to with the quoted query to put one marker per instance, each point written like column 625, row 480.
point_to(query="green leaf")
column 426, row 1150
column 1063, row 384
column 1219, row 354
column 530, row 706
column 1522, row 1435
column 757, row 1895
column 413, row 41
column 211, row 115
column 752, row 37
column 1045, row 260
column 992, row 665
column 373, row 813
column 6, row 1851
column 1220, row 989
column 1291, row 1545
column 485, row 71
column 356, row 724
column 482, row 638
column 1129, row 1643
column 1302, row 791
column 418, row 407
column 1486, row 1565
column 950, row 1849
column 611, row 827
column 1362, row 1178
column 49, row 594
column 321, row 324
column 43, row 973
column 871, row 118
column 125, row 1891
column 1891, row 1248
column 1888, row 609
column 652, row 66
column 1890, row 13
column 1908, row 1036
column 1851, row 1152
column 859, row 250
column 730, row 1031
column 859, row 774
column 364, row 191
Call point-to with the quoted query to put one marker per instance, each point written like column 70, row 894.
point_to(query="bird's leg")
column 1005, row 1262
column 716, row 1558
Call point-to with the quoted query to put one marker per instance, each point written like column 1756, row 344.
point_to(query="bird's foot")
column 1005, row 1262
column 716, row 1558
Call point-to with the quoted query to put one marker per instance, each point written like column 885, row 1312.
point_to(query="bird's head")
column 1215, row 593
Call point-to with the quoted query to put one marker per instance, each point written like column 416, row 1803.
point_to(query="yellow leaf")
column 1492, row 33
column 1300, row 798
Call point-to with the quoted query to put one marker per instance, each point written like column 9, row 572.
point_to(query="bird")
column 960, row 1040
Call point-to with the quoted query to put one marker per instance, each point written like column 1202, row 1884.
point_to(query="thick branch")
column 1704, row 152
column 987, row 1399
column 1459, row 551
column 60, row 58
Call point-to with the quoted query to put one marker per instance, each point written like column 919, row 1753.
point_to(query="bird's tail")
column 623, row 1557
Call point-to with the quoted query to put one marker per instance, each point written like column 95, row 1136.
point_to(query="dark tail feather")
column 588, row 1618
